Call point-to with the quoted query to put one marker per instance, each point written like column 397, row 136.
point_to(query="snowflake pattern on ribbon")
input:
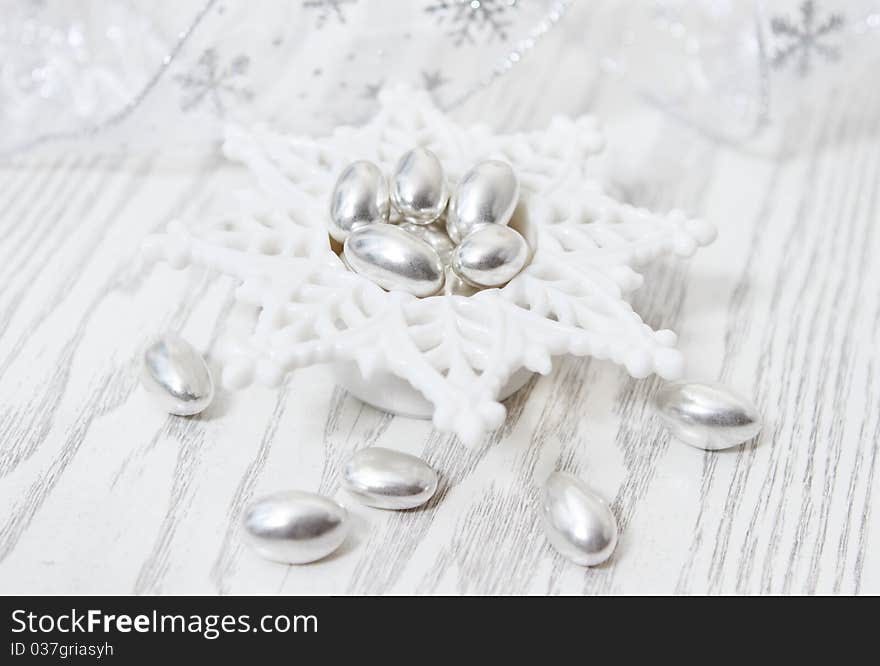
column 327, row 8
column 209, row 82
column 433, row 80
column 372, row 90
column 297, row 304
column 469, row 19
column 804, row 39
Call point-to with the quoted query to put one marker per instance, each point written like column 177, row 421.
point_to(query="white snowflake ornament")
column 297, row 304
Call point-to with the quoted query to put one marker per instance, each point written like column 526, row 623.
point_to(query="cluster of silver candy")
column 414, row 236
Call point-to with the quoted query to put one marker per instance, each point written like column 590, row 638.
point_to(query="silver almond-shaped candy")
column 394, row 259
column 418, row 186
column 433, row 234
column 578, row 522
column 359, row 198
column 707, row 415
column 389, row 479
column 177, row 375
column 295, row 527
column 490, row 256
column 487, row 194
column 455, row 286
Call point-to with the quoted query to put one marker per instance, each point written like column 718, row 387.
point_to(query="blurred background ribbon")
column 117, row 75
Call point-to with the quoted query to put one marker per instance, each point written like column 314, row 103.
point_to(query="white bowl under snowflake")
column 454, row 355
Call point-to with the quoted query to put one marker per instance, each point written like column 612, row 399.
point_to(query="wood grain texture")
column 102, row 493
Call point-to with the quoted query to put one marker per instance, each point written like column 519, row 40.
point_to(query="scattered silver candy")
column 577, row 522
column 295, row 527
column 434, row 235
column 359, row 198
column 394, row 259
column 490, row 256
column 707, row 415
column 178, row 376
column 389, row 479
column 418, row 186
column 487, row 194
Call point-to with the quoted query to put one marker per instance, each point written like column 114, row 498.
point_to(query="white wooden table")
column 100, row 492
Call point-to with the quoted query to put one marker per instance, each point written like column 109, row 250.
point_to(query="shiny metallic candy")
column 415, row 255
column 360, row 198
column 394, row 259
column 418, row 186
column 455, row 286
column 490, row 256
column 433, row 234
column 295, row 527
column 707, row 415
column 487, row 194
column 178, row 376
column 578, row 523
column 389, row 479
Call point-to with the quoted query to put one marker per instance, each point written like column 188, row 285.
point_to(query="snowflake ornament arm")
column 297, row 305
